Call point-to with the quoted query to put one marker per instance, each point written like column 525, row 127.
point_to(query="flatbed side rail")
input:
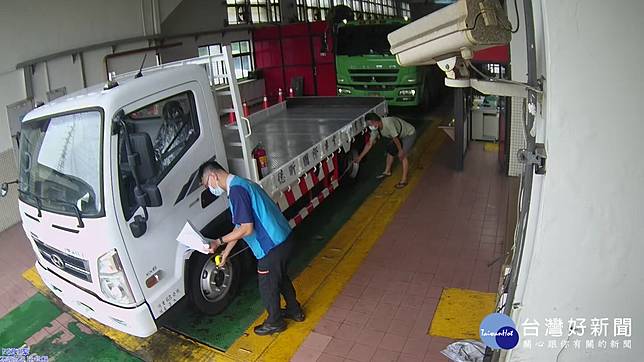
column 288, row 174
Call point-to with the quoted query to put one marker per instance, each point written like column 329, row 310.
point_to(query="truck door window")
column 172, row 126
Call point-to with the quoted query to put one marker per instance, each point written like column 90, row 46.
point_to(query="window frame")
column 235, row 54
column 196, row 127
column 272, row 8
column 216, row 65
column 363, row 9
column 242, row 54
column 405, row 9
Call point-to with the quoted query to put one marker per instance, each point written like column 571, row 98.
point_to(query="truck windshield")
column 365, row 39
column 60, row 163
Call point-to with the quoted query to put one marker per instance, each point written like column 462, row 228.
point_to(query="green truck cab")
column 365, row 67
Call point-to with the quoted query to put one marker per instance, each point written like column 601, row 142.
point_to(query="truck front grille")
column 70, row 264
column 374, row 75
column 373, row 71
column 375, row 88
column 374, row 78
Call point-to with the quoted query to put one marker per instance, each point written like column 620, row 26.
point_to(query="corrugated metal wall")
column 517, row 136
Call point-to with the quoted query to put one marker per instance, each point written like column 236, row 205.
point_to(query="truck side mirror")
column 4, row 188
column 139, row 226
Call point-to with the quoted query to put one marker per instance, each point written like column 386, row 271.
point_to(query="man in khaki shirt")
column 402, row 135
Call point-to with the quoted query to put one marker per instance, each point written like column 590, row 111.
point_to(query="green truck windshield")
column 356, row 40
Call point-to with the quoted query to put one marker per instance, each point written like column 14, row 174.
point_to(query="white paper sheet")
column 190, row 237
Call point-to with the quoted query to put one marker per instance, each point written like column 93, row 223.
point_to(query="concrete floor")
column 16, row 256
column 444, row 235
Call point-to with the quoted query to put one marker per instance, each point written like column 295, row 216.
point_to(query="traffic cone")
column 245, row 108
column 280, row 95
column 265, row 102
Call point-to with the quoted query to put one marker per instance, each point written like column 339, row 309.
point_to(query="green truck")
column 365, row 67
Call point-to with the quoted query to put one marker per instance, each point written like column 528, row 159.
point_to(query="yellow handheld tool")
column 218, row 256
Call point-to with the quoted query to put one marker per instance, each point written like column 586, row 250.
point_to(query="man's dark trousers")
column 274, row 280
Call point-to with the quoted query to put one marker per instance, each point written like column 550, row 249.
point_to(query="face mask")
column 373, row 128
column 217, row 191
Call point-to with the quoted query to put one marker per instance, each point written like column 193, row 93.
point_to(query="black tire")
column 202, row 272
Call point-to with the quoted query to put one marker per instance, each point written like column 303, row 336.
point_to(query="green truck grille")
column 374, row 75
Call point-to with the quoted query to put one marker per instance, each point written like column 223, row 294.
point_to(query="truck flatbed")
column 290, row 129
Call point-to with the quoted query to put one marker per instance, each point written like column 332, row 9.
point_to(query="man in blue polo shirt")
column 261, row 224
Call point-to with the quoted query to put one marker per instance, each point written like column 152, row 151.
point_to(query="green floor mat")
column 83, row 347
column 28, row 318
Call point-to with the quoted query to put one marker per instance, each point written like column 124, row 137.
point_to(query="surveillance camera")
column 456, row 30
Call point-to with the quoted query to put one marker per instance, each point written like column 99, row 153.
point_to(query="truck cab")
column 365, row 66
column 78, row 203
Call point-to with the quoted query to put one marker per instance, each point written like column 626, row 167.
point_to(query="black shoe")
column 266, row 329
column 297, row 317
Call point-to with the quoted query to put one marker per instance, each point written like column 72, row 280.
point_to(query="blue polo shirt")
column 249, row 203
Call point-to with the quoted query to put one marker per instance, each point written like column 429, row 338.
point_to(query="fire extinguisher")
column 260, row 156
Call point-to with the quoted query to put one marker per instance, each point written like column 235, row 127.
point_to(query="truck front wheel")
column 211, row 289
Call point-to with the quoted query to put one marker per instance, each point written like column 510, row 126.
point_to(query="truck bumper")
column 136, row 321
column 392, row 97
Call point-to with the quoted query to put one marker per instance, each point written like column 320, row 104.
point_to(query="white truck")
column 108, row 177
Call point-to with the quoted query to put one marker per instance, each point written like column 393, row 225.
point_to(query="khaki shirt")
column 393, row 127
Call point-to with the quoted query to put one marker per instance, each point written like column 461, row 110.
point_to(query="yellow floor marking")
column 460, row 312
column 320, row 283
column 491, row 147
column 317, row 286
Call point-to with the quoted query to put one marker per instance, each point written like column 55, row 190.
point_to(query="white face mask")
column 373, row 128
column 217, row 191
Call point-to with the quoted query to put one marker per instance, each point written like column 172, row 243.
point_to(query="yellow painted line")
column 491, row 147
column 321, row 282
column 317, row 286
column 460, row 312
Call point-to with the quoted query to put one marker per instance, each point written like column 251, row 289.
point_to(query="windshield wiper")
column 39, row 206
column 37, row 198
column 76, row 210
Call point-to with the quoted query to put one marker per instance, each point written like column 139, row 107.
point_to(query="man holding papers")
column 261, row 224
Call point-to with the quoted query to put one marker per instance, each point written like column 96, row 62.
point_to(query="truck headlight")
column 111, row 276
column 407, row 92
column 344, row 91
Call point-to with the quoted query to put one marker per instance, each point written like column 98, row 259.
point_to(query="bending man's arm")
column 401, row 152
column 365, row 150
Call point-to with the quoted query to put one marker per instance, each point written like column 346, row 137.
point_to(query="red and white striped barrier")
column 315, row 202
column 326, row 172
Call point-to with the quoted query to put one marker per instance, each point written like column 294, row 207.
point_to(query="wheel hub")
column 215, row 282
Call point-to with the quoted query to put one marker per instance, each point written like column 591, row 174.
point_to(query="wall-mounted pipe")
column 156, row 21
column 145, row 32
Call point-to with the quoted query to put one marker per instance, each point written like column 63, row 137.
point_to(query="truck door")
column 176, row 121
